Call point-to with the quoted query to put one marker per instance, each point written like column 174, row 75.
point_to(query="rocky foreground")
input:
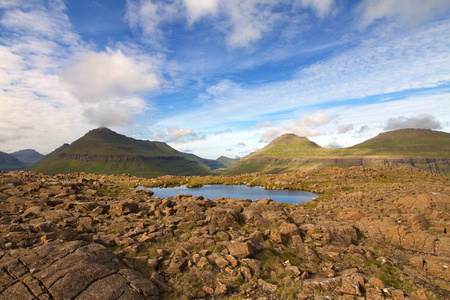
column 373, row 233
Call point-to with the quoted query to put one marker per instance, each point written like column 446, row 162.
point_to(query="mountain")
column 28, row 156
column 227, row 162
column 426, row 149
column 10, row 163
column 107, row 152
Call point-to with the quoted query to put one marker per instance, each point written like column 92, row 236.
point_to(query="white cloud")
column 36, row 104
column 423, row 121
column 405, row 12
column 178, row 135
column 148, row 16
column 321, row 7
column 306, row 125
column 248, row 21
column 115, row 111
column 270, row 135
column 197, row 9
column 242, row 22
column 100, row 75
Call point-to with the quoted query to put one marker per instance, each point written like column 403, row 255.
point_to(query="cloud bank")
column 422, row 121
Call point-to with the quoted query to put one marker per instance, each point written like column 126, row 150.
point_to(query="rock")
column 159, row 281
column 177, row 265
column 350, row 287
column 220, row 289
column 443, row 246
column 246, row 273
column 268, row 287
column 32, row 211
column 397, row 294
column 208, row 290
column 222, row 236
column 152, row 263
column 73, row 269
column 223, row 219
column 203, row 263
column 376, row 282
column 373, row 292
column 124, row 207
column 325, row 284
column 221, row 263
column 240, row 249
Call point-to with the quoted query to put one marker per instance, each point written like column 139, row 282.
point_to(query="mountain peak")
column 293, row 140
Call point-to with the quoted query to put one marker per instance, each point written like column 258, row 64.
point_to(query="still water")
column 237, row 192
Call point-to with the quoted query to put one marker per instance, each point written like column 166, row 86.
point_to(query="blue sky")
column 221, row 77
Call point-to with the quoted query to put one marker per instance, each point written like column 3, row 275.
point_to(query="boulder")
column 124, row 207
column 240, row 249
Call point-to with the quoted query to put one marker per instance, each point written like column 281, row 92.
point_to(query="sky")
column 221, row 77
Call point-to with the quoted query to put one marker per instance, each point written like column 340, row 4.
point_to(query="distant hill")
column 10, row 163
column 107, row 152
column 227, row 162
column 426, row 149
column 28, row 156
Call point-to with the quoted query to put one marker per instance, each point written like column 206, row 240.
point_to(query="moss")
column 186, row 286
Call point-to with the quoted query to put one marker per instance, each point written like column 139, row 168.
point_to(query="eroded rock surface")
column 373, row 233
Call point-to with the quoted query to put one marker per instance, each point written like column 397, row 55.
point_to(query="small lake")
column 236, row 192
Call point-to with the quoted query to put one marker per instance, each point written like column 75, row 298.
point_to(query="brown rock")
column 220, row 289
column 268, row 287
column 240, row 249
column 208, row 290
column 376, row 282
column 124, row 207
column 350, row 287
column 222, row 218
column 159, row 281
column 177, row 265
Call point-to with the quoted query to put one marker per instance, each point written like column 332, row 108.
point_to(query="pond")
column 236, row 192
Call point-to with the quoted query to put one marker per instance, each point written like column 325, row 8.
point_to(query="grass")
column 106, row 152
column 290, row 152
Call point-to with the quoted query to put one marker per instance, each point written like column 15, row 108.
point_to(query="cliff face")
column 439, row 166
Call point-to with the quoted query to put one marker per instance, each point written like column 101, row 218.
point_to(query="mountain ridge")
column 10, row 163
column 426, row 149
column 28, row 156
column 104, row 151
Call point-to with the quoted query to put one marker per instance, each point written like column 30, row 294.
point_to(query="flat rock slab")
column 70, row 270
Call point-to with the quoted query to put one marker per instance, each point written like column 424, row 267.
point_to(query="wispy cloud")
column 403, row 12
column 178, row 135
column 321, row 7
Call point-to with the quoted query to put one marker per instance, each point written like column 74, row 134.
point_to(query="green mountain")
column 28, row 156
column 227, row 162
column 10, row 163
column 107, row 152
column 426, row 149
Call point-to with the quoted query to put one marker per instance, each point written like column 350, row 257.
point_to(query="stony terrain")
column 372, row 233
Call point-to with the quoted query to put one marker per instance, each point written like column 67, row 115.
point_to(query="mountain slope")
column 227, row 162
column 105, row 151
column 28, row 156
column 407, row 142
column 426, row 149
column 10, row 163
